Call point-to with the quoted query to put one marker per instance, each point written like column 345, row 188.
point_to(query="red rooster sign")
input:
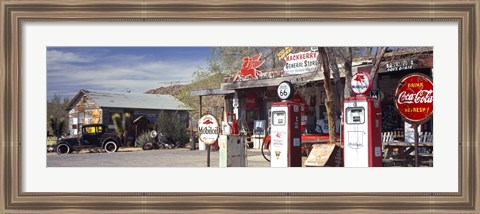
column 250, row 65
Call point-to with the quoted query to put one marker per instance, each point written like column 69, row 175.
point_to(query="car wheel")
column 110, row 147
column 63, row 149
column 147, row 146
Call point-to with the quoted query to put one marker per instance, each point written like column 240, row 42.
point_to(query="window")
column 90, row 130
column 355, row 115
column 279, row 118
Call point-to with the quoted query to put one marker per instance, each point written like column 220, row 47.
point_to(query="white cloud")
column 68, row 73
column 54, row 56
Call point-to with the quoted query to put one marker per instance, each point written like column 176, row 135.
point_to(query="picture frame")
column 14, row 13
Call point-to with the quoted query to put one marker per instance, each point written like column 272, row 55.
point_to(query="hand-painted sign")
column 361, row 83
column 414, row 98
column 250, row 65
column 284, row 52
column 208, row 129
column 400, row 65
column 301, row 62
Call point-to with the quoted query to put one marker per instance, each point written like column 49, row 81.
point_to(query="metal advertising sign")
column 251, row 100
column 414, row 98
column 208, row 129
column 285, row 90
column 301, row 62
column 249, row 67
column 361, row 83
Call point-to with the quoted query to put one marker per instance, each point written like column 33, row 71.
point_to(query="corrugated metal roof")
column 134, row 100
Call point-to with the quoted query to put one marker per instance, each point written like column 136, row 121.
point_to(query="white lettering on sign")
column 398, row 66
column 422, row 96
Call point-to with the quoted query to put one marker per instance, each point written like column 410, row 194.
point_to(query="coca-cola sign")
column 414, row 98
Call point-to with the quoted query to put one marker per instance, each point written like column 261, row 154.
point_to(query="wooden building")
column 124, row 109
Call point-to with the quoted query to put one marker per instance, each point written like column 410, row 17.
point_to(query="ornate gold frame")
column 14, row 13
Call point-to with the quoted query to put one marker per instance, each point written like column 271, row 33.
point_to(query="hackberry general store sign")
column 301, row 62
column 208, row 129
column 414, row 98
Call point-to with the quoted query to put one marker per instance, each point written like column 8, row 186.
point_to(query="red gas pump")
column 285, row 130
column 362, row 125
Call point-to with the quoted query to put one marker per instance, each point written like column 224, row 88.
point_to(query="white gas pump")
column 362, row 125
column 285, row 129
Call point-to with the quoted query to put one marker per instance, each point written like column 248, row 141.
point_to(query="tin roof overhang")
column 208, row 92
column 294, row 79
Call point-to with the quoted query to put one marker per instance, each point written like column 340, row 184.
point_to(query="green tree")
column 57, row 109
column 57, row 125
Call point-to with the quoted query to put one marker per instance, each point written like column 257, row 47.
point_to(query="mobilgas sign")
column 301, row 62
column 208, row 129
column 414, row 98
column 361, row 83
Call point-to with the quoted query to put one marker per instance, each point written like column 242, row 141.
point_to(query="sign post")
column 208, row 132
column 414, row 101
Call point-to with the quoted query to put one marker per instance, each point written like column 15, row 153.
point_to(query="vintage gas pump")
column 285, row 129
column 362, row 125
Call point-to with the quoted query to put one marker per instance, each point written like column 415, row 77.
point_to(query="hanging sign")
column 251, row 100
column 361, row 83
column 414, row 98
column 302, row 62
column 208, row 129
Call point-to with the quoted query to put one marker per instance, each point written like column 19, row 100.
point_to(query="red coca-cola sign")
column 251, row 100
column 414, row 98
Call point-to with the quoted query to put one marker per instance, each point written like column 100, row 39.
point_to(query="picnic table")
column 403, row 156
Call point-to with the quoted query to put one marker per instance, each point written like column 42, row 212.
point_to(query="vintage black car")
column 93, row 136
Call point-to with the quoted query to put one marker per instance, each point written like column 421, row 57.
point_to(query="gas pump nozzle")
column 234, row 123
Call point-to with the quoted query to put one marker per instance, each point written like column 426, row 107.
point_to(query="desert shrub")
column 172, row 125
column 143, row 138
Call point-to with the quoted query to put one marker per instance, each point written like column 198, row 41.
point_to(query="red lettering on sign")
column 414, row 98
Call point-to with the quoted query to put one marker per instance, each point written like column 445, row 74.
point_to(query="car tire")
column 147, row 146
column 63, row 149
column 110, row 147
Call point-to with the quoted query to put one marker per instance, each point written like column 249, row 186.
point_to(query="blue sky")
column 137, row 69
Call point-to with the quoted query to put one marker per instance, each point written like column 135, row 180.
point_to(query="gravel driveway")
column 152, row 158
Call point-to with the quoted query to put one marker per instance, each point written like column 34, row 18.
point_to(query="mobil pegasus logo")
column 207, row 122
column 278, row 135
column 361, row 83
column 208, row 129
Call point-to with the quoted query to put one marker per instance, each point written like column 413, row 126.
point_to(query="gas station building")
column 256, row 96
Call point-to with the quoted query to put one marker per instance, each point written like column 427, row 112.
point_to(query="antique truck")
column 92, row 136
